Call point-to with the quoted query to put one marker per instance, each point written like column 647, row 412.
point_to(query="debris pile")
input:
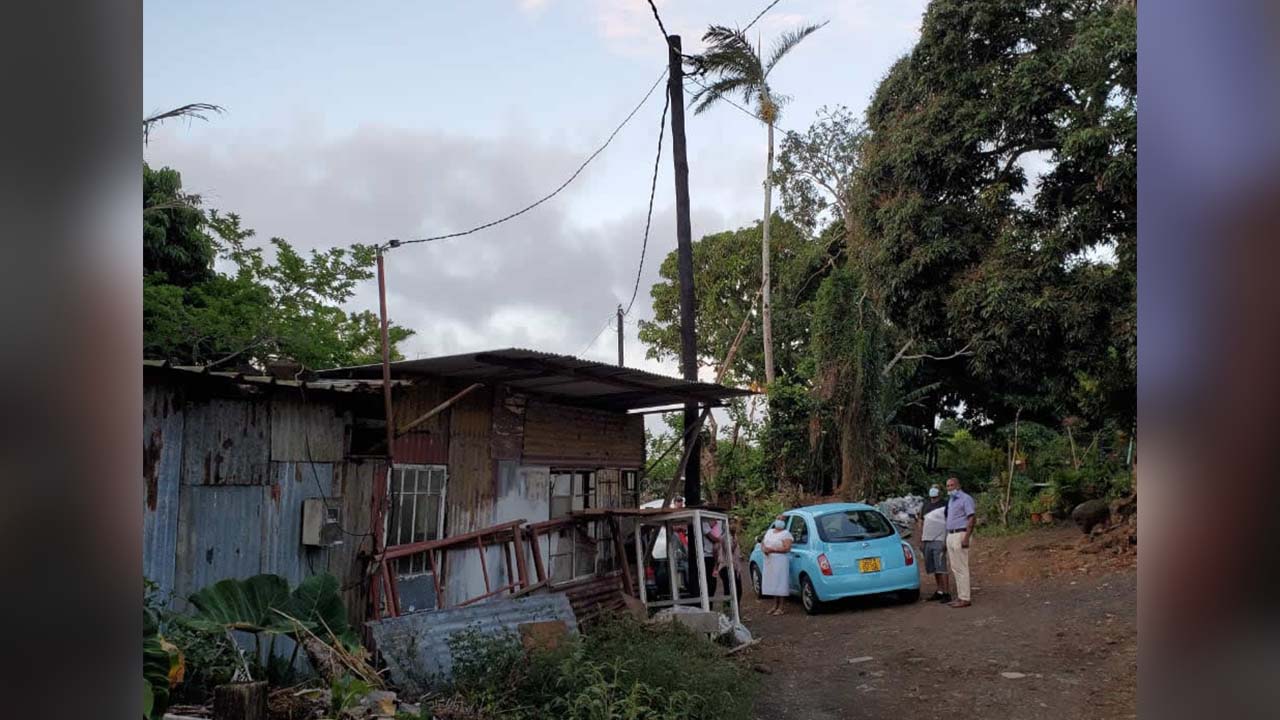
column 903, row 511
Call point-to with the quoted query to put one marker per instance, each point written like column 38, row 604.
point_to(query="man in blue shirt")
column 961, row 516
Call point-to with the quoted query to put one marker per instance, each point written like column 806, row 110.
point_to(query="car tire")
column 756, row 581
column 809, row 596
column 909, row 596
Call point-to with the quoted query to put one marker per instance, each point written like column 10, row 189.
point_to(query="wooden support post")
column 522, row 563
column 484, row 566
column 240, row 701
column 536, row 546
column 620, row 549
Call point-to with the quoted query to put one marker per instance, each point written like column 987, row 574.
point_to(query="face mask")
column 933, row 492
column 779, row 524
column 952, row 493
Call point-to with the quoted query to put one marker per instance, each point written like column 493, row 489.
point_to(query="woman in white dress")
column 775, row 580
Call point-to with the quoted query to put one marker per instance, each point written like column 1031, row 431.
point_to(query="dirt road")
column 1052, row 633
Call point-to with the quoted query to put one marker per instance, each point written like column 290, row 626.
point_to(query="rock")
column 1012, row 675
column 864, row 658
column 379, row 703
column 1090, row 514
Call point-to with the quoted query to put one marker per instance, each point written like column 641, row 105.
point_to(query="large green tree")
column 288, row 308
column 1037, row 281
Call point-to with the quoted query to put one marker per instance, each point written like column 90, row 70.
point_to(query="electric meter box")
column 321, row 522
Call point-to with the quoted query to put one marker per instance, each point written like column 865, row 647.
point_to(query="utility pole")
column 684, row 255
column 620, row 362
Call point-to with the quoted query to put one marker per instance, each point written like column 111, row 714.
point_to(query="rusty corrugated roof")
column 563, row 378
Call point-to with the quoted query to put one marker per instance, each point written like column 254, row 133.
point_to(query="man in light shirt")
column 961, row 515
column 933, row 542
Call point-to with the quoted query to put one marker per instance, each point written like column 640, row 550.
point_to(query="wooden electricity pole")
column 620, row 360
column 684, row 255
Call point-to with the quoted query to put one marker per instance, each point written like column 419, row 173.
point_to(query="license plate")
column 867, row 565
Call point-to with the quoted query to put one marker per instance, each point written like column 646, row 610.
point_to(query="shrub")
column 622, row 669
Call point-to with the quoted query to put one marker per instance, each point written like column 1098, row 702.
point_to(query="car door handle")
column 795, row 554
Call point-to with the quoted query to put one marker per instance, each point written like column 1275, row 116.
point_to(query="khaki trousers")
column 958, row 559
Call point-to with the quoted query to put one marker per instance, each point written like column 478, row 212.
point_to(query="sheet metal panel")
column 428, row 443
column 416, row 647
column 282, row 550
column 561, row 434
column 353, row 482
column 472, row 471
column 226, row 442
column 219, row 536
column 162, row 421
column 303, row 431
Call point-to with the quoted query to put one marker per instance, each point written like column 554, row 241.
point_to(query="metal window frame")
column 418, row 564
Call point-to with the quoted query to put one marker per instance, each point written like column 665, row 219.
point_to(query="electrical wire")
column 597, row 336
column 666, row 37
column 553, row 193
column 653, row 187
column 760, row 15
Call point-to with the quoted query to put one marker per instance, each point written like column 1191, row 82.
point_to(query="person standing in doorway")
column 961, row 516
column 775, row 580
column 933, row 542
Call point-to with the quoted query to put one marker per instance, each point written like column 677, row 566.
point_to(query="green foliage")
column 161, row 661
column 727, row 275
column 288, row 308
column 175, row 244
column 816, row 170
column 972, row 461
column 621, row 669
column 345, row 693
column 960, row 257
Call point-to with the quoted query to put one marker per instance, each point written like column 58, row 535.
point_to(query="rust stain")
column 150, row 459
column 275, row 493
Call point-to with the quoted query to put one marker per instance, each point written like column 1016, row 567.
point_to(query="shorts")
column 935, row 557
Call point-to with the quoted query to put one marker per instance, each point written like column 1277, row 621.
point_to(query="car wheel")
column 756, row 582
column 909, row 596
column 809, row 596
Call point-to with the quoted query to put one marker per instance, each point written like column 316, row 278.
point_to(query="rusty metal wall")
column 428, row 443
column 219, row 536
column 226, row 442
column 307, row 431
column 354, row 484
column 161, row 480
column 557, row 434
column 242, row 516
column 282, row 550
column 416, row 647
column 472, row 470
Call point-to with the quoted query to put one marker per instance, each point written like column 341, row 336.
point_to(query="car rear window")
column 851, row 525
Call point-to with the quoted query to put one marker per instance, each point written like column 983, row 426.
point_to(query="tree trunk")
column 767, row 306
column 1008, row 485
column 240, row 701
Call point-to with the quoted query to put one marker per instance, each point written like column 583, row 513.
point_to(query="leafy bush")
column 622, row 669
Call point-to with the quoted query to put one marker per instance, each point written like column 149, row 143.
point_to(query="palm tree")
column 736, row 67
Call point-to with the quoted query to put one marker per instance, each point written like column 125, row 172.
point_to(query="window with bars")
column 631, row 488
column 417, row 511
column 572, row 490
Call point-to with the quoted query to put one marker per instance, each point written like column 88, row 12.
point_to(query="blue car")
column 842, row 550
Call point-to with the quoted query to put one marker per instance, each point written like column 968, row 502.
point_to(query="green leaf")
column 318, row 601
column 249, row 605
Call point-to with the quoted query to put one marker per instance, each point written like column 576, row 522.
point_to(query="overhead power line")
column 553, row 193
column 760, row 15
column 653, row 186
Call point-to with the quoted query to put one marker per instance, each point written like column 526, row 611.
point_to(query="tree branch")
column 962, row 351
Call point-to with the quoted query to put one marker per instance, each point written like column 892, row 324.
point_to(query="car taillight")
column 908, row 556
column 824, row 565
column 648, row 574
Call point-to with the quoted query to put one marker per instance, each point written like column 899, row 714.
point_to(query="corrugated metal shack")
column 231, row 460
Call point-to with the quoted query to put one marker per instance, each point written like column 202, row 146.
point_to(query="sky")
column 360, row 122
